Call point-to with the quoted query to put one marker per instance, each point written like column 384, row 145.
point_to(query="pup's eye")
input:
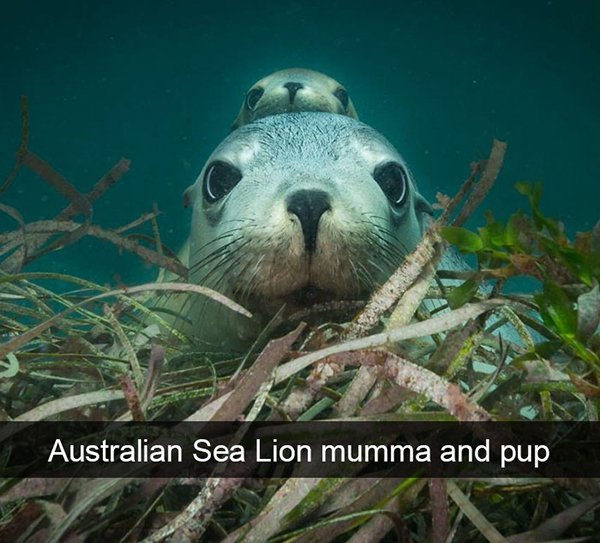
column 393, row 180
column 219, row 179
column 342, row 96
column 253, row 97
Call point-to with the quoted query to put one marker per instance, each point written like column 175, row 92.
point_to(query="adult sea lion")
column 294, row 209
column 294, row 90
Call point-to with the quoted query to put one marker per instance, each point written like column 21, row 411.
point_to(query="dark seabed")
column 160, row 83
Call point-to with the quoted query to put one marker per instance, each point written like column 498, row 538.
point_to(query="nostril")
column 309, row 206
column 293, row 87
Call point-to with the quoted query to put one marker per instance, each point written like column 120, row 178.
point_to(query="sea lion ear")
column 188, row 196
column 351, row 111
column 422, row 205
column 240, row 119
column 424, row 212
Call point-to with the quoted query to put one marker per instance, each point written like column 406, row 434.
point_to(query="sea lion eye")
column 253, row 97
column 393, row 180
column 342, row 96
column 219, row 180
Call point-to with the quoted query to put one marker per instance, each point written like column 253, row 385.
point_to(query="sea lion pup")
column 291, row 91
column 295, row 209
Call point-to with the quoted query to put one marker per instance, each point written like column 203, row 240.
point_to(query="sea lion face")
column 294, row 90
column 299, row 208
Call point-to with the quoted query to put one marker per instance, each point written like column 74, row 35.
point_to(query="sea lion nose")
column 293, row 87
column 309, row 206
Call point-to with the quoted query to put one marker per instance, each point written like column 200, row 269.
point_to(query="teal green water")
column 160, row 83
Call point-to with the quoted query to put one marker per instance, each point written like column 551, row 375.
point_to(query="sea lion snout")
column 293, row 87
column 308, row 206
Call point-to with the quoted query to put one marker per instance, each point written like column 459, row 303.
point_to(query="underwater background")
column 160, row 82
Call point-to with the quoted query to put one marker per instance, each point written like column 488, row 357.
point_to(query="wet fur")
column 249, row 247
column 317, row 94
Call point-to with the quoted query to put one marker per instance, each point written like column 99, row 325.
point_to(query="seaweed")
column 87, row 353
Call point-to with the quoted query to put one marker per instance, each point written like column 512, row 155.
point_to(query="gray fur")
column 249, row 247
column 317, row 94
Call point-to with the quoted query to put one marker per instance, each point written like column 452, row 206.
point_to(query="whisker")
column 222, row 236
column 249, row 282
column 210, row 257
column 231, row 264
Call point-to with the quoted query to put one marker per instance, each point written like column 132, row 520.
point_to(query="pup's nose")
column 293, row 87
column 309, row 206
